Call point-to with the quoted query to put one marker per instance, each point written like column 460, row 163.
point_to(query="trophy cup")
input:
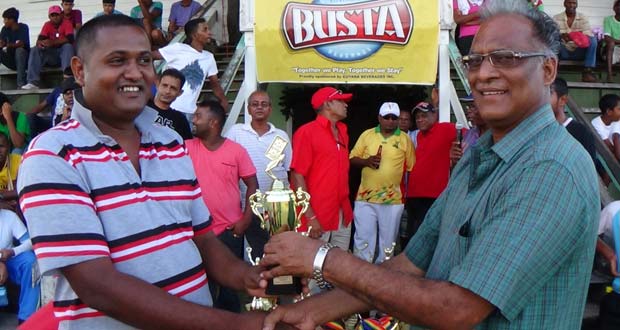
column 279, row 210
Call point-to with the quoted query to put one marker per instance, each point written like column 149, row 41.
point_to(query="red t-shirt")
column 75, row 17
column 431, row 172
column 65, row 29
column 324, row 164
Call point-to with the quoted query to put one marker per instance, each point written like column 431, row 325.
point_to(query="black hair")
column 174, row 73
column 68, row 84
column 87, row 34
column 608, row 102
column 109, row 1
column 560, row 87
column 216, row 108
column 11, row 13
column 67, row 72
column 191, row 27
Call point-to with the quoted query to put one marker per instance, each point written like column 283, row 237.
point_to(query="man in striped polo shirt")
column 114, row 207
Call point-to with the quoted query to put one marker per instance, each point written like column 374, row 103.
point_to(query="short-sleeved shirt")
column 115, row 12
column 51, row 32
column 219, row 171
column 9, row 171
column 11, row 36
column 11, row 228
column 83, row 199
column 136, row 12
column 430, row 174
column 382, row 185
column 603, row 130
column 174, row 120
column 580, row 24
column 256, row 146
column 467, row 30
column 517, row 226
column 75, row 17
column 21, row 124
column 180, row 14
column 195, row 65
column 323, row 161
column 611, row 27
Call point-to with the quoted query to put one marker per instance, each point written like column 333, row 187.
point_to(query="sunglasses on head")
column 390, row 117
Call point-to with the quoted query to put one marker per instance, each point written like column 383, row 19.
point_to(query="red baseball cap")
column 328, row 94
column 54, row 10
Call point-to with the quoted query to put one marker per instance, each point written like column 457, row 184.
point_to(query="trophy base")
column 284, row 285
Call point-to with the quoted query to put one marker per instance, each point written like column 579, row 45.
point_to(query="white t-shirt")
column 607, row 215
column 196, row 66
column 603, row 130
column 10, row 227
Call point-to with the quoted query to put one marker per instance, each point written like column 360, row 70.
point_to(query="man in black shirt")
column 15, row 44
column 169, row 87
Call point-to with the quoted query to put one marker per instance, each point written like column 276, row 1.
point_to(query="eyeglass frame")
column 516, row 56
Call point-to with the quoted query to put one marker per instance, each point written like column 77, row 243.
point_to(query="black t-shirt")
column 9, row 36
column 173, row 119
column 585, row 137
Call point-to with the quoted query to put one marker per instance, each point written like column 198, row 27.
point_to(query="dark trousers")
column 416, row 211
column 16, row 59
column 464, row 44
column 223, row 297
column 257, row 237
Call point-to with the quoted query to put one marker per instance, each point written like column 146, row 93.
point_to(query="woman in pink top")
column 467, row 19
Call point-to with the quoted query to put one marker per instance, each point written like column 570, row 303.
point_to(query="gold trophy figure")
column 280, row 210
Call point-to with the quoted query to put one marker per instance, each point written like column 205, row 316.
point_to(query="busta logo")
column 347, row 30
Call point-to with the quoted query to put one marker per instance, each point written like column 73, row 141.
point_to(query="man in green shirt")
column 509, row 244
column 611, row 26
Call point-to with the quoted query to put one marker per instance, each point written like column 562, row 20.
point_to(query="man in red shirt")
column 74, row 16
column 54, row 47
column 430, row 174
column 320, row 166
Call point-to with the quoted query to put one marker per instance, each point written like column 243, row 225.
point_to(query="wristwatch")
column 317, row 266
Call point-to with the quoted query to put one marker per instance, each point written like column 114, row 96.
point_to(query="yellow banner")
column 347, row 41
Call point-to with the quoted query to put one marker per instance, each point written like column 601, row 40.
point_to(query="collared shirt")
column 382, row 185
column 517, row 226
column 580, row 24
column 323, row 161
column 430, row 174
column 51, row 32
column 257, row 145
column 83, row 199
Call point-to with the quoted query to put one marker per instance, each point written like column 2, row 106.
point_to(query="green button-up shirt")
column 517, row 226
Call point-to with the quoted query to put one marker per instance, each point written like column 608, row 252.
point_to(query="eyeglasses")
column 390, row 117
column 261, row 104
column 502, row 59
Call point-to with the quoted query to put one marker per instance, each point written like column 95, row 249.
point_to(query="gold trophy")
column 280, row 210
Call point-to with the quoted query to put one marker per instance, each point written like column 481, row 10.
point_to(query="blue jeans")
column 20, row 272
column 588, row 55
column 53, row 56
column 16, row 59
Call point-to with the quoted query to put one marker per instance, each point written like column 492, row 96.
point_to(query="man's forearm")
column 220, row 264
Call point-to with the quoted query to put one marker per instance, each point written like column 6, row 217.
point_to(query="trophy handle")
column 302, row 199
column 256, row 204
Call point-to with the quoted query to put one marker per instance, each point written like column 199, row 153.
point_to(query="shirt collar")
column 248, row 127
column 510, row 144
column 144, row 121
column 396, row 132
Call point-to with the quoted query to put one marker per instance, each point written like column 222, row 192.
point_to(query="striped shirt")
column 83, row 200
column 517, row 226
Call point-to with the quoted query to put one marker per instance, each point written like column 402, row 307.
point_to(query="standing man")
column 54, row 47
column 256, row 137
column 495, row 251
column 576, row 25
column 320, row 166
column 404, row 121
column 382, row 152
column 128, row 237
column 220, row 163
column 195, row 63
column 181, row 12
column 168, row 89
column 15, row 37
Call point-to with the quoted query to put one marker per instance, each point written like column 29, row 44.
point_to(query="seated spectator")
column 53, row 47
column 575, row 26
column 605, row 239
column 467, row 18
column 13, row 124
column 67, row 87
column 169, row 87
column 181, row 12
column 611, row 26
column 74, row 16
column 538, row 4
column 16, row 263
column 8, row 173
column 108, row 8
column 610, row 113
column 149, row 12
column 41, row 120
column 15, row 37
column 195, row 63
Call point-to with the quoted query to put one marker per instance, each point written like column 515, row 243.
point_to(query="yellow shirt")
column 9, row 171
column 382, row 185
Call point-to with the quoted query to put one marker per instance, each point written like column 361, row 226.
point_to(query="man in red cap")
column 320, row 166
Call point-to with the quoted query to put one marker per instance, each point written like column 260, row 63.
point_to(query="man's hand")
column 565, row 37
column 455, row 153
column 4, row 273
column 239, row 227
column 373, row 161
column 315, row 228
column 6, row 254
column 6, row 111
column 253, row 282
column 613, row 265
column 255, row 320
column 294, row 315
column 289, row 253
